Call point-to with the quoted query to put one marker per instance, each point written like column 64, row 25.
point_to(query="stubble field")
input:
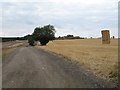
column 90, row 53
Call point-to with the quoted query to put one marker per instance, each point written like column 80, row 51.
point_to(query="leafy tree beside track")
column 44, row 34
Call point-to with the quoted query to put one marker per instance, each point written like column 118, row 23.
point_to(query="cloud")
column 78, row 17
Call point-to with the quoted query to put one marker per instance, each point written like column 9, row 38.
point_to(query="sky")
column 84, row 18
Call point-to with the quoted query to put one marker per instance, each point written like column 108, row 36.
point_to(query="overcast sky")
column 85, row 18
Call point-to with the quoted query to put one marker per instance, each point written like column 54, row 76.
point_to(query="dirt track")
column 30, row 67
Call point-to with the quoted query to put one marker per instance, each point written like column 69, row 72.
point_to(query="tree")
column 27, row 36
column 31, row 40
column 44, row 34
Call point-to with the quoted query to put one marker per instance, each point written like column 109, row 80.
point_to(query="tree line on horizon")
column 42, row 34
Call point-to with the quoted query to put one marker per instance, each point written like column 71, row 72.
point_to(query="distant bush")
column 26, row 37
column 69, row 36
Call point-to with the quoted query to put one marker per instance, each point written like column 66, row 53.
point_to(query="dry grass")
column 101, row 59
column 7, row 51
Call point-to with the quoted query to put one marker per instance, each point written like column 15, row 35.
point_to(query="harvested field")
column 12, row 44
column 8, row 47
column 102, row 59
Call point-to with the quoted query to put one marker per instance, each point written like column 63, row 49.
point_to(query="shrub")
column 31, row 41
